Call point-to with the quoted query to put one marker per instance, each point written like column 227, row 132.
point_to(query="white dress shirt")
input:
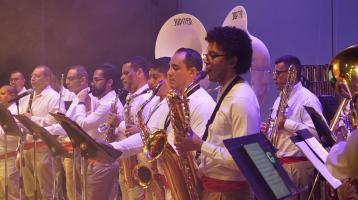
column 297, row 119
column 157, row 117
column 134, row 108
column 56, row 129
column 12, row 141
column 342, row 160
column 90, row 121
column 201, row 106
column 238, row 115
column 42, row 104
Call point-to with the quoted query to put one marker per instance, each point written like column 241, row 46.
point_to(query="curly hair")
column 234, row 42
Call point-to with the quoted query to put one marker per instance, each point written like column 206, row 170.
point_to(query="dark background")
column 89, row 32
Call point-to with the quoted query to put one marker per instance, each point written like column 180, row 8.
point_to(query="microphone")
column 27, row 92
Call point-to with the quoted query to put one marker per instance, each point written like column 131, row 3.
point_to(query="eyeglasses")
column 72, row 78
column 210, row 57
column 278, row 72
column 96, row 80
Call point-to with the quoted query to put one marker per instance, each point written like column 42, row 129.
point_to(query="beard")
column 97, row 91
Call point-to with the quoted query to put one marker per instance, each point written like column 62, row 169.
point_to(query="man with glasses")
column 17, row 80
column 295, row 118
column 237, row 114
column 76, row 81
column 102, row 181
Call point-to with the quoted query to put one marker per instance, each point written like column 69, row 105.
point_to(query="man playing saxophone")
column 293, row 118
column 236, row 114
column 184, row 66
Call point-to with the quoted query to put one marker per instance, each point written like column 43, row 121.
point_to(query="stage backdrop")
column 68, row 32
column 311, row 30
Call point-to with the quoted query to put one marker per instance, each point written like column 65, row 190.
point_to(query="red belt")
column 216, row 185
column 9, row 154
column 31, row 145
column 292, row 159
column 67, row 146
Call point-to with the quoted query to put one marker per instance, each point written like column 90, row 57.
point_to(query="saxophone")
column 128, row 164
column 146, row 172
column 284, row 96
column 180, row 120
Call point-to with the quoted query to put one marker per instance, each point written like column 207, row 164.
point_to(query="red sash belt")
column 9, row 155
column 292, row 159
column 216, row 185
column 68, row 146
column 31, row 145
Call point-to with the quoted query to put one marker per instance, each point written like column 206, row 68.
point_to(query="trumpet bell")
column 155, row 145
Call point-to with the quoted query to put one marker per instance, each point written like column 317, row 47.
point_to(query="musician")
column 17, row 80
column 296, row 118
column 102, row 182
column 184, row 66
column 76, row 81
column 37, row 107
column 7, row 93
column 134, row 79
column 228, row 56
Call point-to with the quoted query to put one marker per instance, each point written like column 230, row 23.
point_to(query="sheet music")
column 267, row 170
column 317, row 148
column 318, row 164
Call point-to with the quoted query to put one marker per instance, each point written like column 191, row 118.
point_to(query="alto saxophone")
column 180, row 120
column 128, row 164
column 285, row 93
column 145, row 172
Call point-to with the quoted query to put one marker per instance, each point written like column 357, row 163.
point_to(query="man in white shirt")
column 295, row 118
column 37, row 107
column 237, row 114
column 102, row 181
column 7, row 93
column 184, row 66
column 76, row 80
column 17, row 80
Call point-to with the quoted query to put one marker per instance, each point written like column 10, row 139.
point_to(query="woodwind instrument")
column 128, row 164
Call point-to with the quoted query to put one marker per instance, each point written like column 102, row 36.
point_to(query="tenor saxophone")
column 128, row 164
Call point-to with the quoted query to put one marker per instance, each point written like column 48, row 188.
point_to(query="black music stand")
column 88, row 146
column 8, row 124
column 255, row 156
column 55, row 147
column 324, row 133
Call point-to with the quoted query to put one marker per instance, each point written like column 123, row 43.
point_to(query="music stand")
column 88, row 146
column 324, row 133
column 55, row 147
column 8, row 124
column 255, row 156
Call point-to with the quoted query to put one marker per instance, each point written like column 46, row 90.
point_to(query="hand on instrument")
column 114, row 119
column 28, row 115
column 264, row 126
column 190, row 143
column 131, row 129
